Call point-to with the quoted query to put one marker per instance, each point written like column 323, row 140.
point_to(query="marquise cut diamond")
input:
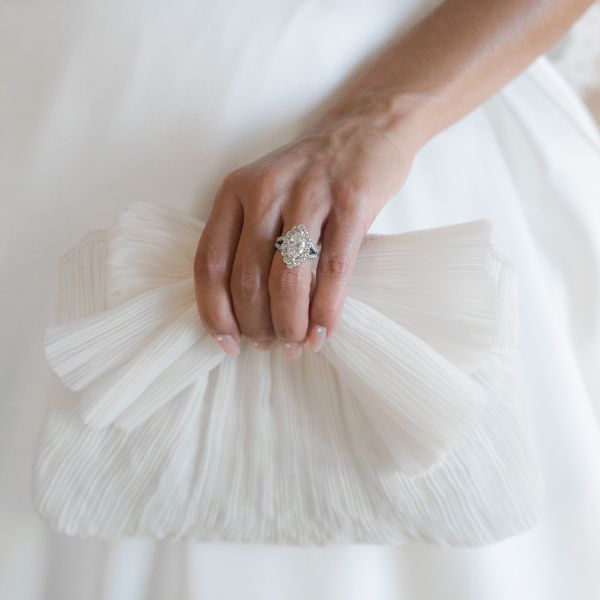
column 296, row 246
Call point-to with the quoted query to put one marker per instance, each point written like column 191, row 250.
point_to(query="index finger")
column 212, row 270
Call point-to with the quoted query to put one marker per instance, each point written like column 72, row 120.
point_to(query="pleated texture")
column 407, row 425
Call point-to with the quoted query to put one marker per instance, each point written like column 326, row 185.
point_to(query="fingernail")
column 316, row 337
column 228, row 343
column 292, row 349
column 262, row 345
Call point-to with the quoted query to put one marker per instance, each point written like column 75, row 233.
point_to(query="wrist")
column 402, row 117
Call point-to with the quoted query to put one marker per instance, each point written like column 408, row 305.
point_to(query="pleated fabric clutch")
column 407, row 424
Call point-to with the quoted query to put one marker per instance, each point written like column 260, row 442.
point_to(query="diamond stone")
column 295, row 246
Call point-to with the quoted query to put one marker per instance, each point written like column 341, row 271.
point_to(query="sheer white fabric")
column 577, row 55
column 109, row 102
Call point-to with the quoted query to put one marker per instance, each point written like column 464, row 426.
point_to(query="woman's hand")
column 334, row 178
column 337, row 176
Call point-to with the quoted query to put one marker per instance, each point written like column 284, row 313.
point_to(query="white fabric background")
column 577, row 56
column 105, row 102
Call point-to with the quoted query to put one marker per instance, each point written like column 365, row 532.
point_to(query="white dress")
column 109, row 102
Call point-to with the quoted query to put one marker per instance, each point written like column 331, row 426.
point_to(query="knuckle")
column 210, row 265
column 230, row 180
column 303, row 188
column 290, row 332
column 259, row 199
column 212, row 316
column 286, row 283
column 344, row 191
column 311, row 187
column 335, row 265
column 247, row 284
column 260, row 211
column 267, row 181
column 348, row 200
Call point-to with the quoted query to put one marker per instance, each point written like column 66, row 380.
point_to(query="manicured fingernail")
column 316, row 337
column 292, row 349
column 228, row 343
column 262, row 345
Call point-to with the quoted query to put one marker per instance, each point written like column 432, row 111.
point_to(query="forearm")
column 451, row 61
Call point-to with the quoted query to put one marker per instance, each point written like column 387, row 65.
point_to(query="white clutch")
column 407, row 425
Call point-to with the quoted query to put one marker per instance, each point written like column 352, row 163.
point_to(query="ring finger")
column 289, row 288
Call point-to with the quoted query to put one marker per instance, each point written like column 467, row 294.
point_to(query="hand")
column 334, row 178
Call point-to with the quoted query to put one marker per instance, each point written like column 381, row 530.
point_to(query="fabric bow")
column 424, row 309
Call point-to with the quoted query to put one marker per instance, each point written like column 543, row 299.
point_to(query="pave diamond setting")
column 296, row 246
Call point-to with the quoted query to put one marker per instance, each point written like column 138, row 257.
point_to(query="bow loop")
column 423, row 309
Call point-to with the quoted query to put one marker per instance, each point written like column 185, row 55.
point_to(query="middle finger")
column 249, row 276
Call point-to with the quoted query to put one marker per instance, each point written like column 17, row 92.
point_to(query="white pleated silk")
column 406, row 425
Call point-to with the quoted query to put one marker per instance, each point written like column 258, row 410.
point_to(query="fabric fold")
column 339, row 446
column 420, row 403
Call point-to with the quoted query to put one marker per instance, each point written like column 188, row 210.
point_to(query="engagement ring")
column 296, row 246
